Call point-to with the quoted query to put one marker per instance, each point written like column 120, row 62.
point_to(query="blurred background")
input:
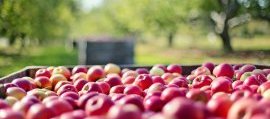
column 47, row 32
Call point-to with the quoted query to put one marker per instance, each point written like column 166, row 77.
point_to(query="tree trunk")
column 12, row 40
column 226, row 39
column 170, row 39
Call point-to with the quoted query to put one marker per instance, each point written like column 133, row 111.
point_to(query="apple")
column 248, row 68
column 236, row 83
column 236, row 95
column 55, row 78
column 43, row 72
column 240, row 108
column 180, row 82
column 11, row 100
column 201, row 71
column 29, row 98
column 98, row 105
column 142, row 71
column 129, row 73
column 237, row 66
column 91, row 87
column 243, row 87
column 128, row 111
column 174, row 68
column 154, row 103
column 157, row 79
column 113, row 80
column 223, row 69
column 59, row 106
column 10, row 114
column 245, row 75
column 156, row 71
column 76, row 114
column 197, row 95
column 132, row 89
column 66, row 88
column 23, row 83
column 79, row 84
column 39, row 111
column 251, row 80
column 38, row 93
column 209, row 65
column 263, row 87
column 112, row 68
column 182, row 108
column 202, row 80
column 238, row 74
column 268, row 77
column 116, row 96
column 105, row 87
column 3, row 104
column 60, row 84
column 156, row 87
column 221, row 84
column 219, row 106
column 144, row 81
column 63, row 71
column 16, row 92
column 84, row 98
column 168, row 77
column 8, row 85
column 118, row 89
column 266, row 94
column 128, row 80
column 70, row 94
column 79, row 69
column 132, row 99
column 172, row 92
column 43, row 82
column 31, row 80
column 80, row 75
column 22, row 106
column 95, row 72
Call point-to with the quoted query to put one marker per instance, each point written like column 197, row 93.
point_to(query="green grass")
column 186, row 50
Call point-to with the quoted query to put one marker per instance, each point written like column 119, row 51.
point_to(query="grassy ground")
column 185, row 51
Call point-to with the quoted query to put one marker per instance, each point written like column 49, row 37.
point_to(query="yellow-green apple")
column 39, row 111
column 182, row 108
column 50, row 69
column 98, row 105
column 55, row 78
column 129, row 73
column 263, row 87
column 128, row 111
column 43, row 82
column 223, row 69
column 112, row 68
column 63, row 71
column 39, row 93
column 16, row 92
column 95, row 72
column 156, row 71
column 11, row 100
column 43, row 72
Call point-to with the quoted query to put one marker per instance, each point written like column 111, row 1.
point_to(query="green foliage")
column 36, row 19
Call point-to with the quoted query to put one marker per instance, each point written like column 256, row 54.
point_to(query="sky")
column 89, row 4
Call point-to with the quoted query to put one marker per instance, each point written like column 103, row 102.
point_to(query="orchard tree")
column 35, row 19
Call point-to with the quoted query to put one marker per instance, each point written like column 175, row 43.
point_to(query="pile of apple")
column 223, row 91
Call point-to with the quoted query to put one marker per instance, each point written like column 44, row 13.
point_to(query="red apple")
column 156, row 87
column 66, row 88
column 105, row 87
column 240, row 108
column 60, row 84
column 79, row 75
column 221, row 84
column 39, row 111
column 154, row 103
column 10, row 114
column 263, row 87
column 43, row 72
column 91, row 87
column 116, row 96
column 128, row 80
column 236, row 83
column 181, row 108
column 78, row 69
column 219, row 106
column 209, row 65
column 77, row 114
column 118, row 89
column 158, row 79
column 63, row 71
column 247, row 68
column 170, row 93
column 95, row 72
column 129, row 73
column 23, row 83
column 132, row 99
column 236, row 95
column 71, row 94
column 22, row 106
column 128, row 111
column 144, row 81
column 174, row 68
column 223, row 70
column 84, row 98
column 8, row 85
column 132, row 89
column 98, row 105
column 113, row 81
column 202, row 80
column 180, row 81
column 197, row 95
column 238, row 74
column 55, row 78
column 142, row 71
column 79, row 84
column 201, row 71
column 251, row 80
column 3, row 104
column 43, row 82
column 237, row 66
column 59, row 106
